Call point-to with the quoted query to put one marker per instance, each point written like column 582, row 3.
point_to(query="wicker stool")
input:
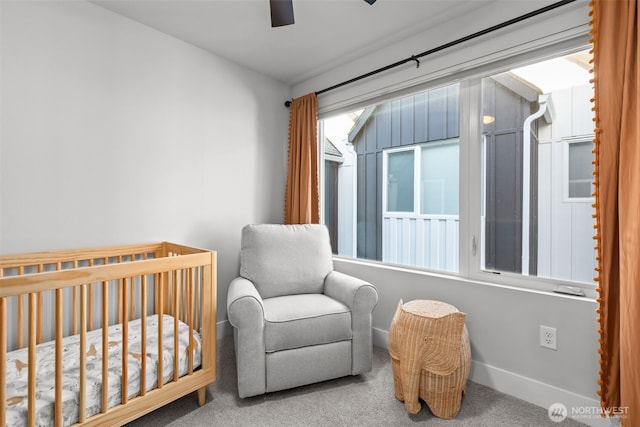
column 430, row 356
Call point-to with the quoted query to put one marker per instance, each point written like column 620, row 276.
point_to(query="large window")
column 527, row 178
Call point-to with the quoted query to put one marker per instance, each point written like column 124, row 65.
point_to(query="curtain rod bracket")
column 415, row 58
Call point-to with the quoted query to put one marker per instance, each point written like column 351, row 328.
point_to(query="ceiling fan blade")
column 282, row 12
column 370, row 1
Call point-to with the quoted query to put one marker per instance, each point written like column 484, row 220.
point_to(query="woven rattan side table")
column 430, row 356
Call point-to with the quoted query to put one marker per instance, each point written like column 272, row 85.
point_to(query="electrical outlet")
column 548, row 337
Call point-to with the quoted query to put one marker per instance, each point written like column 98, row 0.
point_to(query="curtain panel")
column 615, row 40
column 302, row 199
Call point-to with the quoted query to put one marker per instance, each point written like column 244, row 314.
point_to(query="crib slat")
column 198, row 288
column 40, row 304
column 156, row 281
column 58, row 360
column 120, row 309
column 20, row 321
column 105, row 346
column 90, row 301
column 3, row 357
column 74, row 315
column 31, row 369
column 185, row 302
column 160, row 292
column 74, row 305
column 190, row 319
column 57, row 405
column 83, row 354
column 119, row 298
column 176, row 342
column 125, row 344
column 20, row 314
column 132, row 291
column 143, row 346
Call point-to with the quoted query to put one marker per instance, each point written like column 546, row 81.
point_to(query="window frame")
column 417, row 175
column 566, row 143
column 471, row 176
column 385, row 171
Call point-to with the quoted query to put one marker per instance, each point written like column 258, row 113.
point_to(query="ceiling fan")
column 282, row 12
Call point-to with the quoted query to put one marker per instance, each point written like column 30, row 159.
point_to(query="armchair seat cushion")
column 295, row 321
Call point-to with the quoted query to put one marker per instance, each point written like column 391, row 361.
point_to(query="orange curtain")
column 614, row 28
column 302, row 201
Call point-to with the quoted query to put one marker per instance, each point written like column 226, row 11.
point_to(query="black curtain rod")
column 446, row 46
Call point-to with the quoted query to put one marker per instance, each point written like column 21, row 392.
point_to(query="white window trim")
column 566, row 142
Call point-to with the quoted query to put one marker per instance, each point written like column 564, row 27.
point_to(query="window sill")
column 503, row 280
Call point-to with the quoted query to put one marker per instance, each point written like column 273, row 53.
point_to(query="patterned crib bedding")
column 17, row 376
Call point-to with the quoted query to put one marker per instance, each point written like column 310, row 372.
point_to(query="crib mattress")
column 16, row 381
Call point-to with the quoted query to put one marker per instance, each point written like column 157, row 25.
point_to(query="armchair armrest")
column 246, row 314
column 361, row 297
column 358, row 295
column 244, row 304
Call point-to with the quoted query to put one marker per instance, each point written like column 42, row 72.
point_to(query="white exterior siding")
column 565, row 226
column 429, row 242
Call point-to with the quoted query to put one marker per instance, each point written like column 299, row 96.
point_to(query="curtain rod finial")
column 287, row 103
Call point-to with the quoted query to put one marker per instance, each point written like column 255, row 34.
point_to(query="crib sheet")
column 16, row 381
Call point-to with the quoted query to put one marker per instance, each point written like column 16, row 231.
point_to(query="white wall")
column 114, row 133
column 503, row 321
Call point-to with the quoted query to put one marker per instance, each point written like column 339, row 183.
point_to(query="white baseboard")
column 581, row 408
column 224, row 329
column 380, row 337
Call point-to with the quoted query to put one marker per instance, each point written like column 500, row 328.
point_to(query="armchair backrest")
column 286, row 259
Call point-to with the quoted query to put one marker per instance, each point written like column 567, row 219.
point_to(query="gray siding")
column 503, row 215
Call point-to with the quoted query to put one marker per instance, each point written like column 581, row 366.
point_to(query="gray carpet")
column 365, row 400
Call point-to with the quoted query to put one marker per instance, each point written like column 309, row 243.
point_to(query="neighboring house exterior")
column 381, row 138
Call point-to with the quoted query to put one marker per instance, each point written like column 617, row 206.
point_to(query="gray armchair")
column 296, row 321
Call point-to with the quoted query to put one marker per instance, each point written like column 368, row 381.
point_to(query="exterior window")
column 580, row 170
column 439, row 183
column 400, row 178
column 397, row 193
column 437, row 180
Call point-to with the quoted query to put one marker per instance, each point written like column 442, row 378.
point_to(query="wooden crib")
column 151, row 306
